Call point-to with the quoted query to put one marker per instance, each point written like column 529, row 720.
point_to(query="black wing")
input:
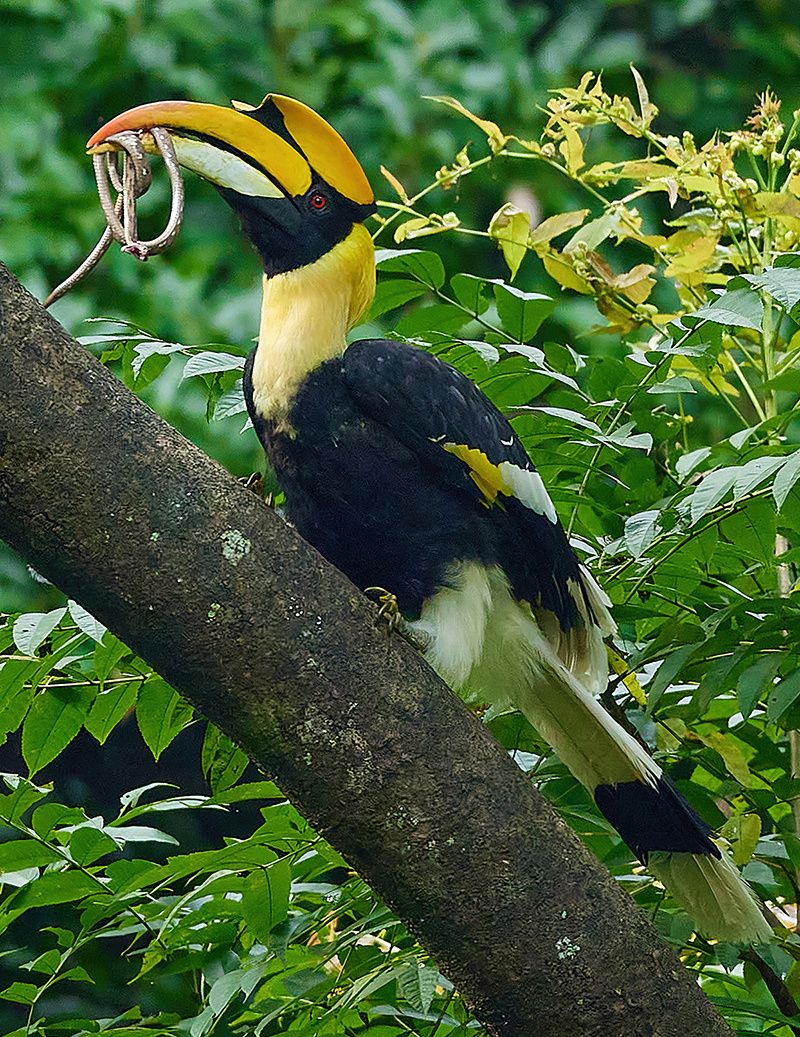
column 444, row 418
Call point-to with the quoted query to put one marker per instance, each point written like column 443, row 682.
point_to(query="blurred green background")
column 68, row 65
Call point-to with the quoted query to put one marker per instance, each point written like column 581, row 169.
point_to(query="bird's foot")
column 396, row 623
column 389, row 608
column 255, row 482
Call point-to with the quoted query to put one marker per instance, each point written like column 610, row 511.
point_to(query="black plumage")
column 368, row 480
column 632, row 806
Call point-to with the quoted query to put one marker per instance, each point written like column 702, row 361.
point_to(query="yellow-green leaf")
column 648, row 110
column 497, row 139
column 732, row 755
column 401, row 192
column 510, row 227
column 560, row 269
column 620, row 666
column 571, row 147
column 555, row 225
column 742, row 832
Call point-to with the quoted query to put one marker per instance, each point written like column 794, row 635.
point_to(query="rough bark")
column 281, row 651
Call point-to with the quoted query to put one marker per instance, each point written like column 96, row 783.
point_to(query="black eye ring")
column 318, row 201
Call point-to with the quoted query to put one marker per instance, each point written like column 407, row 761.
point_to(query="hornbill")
column 405, row 476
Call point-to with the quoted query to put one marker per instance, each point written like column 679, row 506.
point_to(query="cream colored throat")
column 305, row 316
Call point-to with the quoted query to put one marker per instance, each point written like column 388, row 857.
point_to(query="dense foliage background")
column 662, row 417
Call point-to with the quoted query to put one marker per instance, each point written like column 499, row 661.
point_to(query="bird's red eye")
column 318, row 201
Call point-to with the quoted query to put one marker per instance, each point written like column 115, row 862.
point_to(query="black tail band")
column 654, row 818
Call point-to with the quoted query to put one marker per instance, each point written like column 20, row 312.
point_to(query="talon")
column 396, row 623
column 255, row 482
column 389, row 608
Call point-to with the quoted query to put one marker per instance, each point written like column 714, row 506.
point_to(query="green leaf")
column 488, row 353
column 21, row 993
column 32, row 628
column 16, row 692
column 47, row 963
column 754, row 473
column 672, row 385
column 425, row 267
column 54, row 887
column 687, row 463
column 755, row 680
column 743, row 831
column 783, row 695
column 738, row 439
column 418, row 985
column 556, row 225
column 211, row 363
column 54, row 719
column 624, row 436
column 470, row 292
column 786, row 478
column 668, row 671
column 727, row 954
column 436, row 320
column 161, row 714
column 225, row 989
column 86, row 623
column 25, row 853
column 392, row 293
column 712, row 489
column 202, row 1023
column 521, row 313
column 364, row 986
column 250, row 790
column 595, row 232
column 109, row 708
column 571, row 417
column 640, row 531
column 88, row 844
column 230, row 403
column 223, row 762
column 78, row 974
column 107, row 655
column 21, row 799
column 140, row 834
column 150, row 358
column 782, row 283
column 732, row 756
column 265, row 898
column 55, row 815
column 738, row 308
column 751, row 531
column 509, row 228
column 133, row 797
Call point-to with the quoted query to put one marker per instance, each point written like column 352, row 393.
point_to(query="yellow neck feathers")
column 305, row 316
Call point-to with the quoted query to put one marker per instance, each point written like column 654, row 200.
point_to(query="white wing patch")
column 527, row 486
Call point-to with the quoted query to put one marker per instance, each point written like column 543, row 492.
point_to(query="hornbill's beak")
column 293, row 180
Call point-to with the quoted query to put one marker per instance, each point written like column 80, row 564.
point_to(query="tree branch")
column 280, row 650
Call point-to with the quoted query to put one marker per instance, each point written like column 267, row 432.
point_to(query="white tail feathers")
column 492, row 647
column 712, row 891
column 582, row 648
